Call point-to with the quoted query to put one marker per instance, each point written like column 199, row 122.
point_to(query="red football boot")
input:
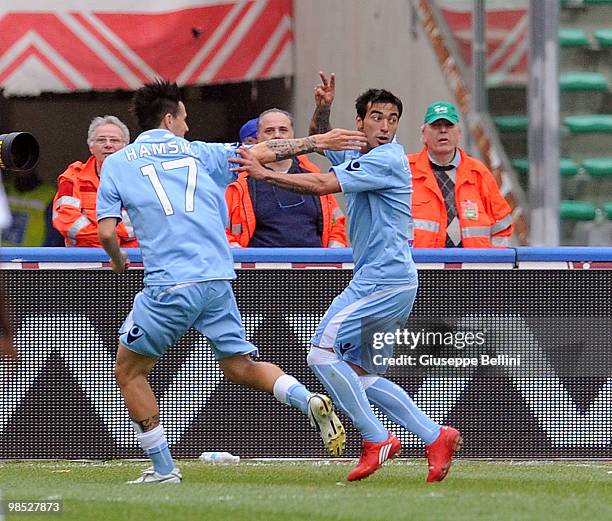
column 373, row 455
column 440, row 453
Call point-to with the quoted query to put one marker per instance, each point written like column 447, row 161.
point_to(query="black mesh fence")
column 546, row 390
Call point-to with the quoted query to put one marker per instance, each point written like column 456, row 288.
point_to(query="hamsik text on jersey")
column 173, row 192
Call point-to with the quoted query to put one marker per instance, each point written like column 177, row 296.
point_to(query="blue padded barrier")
column 504, row 255
column 569, row 253
column 327, row 255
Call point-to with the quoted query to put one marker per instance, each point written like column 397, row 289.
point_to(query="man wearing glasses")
column 265, row 216
column 74, row 206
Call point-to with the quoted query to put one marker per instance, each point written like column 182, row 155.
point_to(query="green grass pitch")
column 316, row 490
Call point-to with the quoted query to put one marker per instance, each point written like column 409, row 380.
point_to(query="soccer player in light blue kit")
column 173, row 192
column 378, row 189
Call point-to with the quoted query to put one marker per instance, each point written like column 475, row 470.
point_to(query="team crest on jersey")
column 353, row 166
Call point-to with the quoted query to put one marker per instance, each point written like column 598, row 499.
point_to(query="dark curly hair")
column 153, row 101
column 372, row 96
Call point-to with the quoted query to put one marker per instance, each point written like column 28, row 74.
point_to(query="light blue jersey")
column 173, row 191
column 378, row 189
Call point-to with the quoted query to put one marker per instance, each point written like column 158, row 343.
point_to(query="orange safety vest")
column 241, row 224
column 485, row 218
column 74, row 208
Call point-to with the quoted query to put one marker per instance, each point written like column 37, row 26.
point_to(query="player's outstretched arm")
column 107, row 234
column 336, row 139
column 324, row 94
column 311, row 183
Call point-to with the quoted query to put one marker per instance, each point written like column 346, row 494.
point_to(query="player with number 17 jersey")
column 173, row 191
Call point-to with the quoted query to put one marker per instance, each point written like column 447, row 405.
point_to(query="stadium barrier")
column 539, row 323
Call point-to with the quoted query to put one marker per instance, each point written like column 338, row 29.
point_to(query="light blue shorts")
column 360, row 310
column 162, row 314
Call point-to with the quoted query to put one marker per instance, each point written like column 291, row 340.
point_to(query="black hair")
column 371, row 96
column 153, row 101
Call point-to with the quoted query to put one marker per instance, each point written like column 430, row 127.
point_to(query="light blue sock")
column 297, row 395
column 395, row 403
column 156, row 447
column 343, row 384
column 290, row 391
column 161, row 458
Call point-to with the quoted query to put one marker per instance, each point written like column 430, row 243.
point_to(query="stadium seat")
column 512, row 124
column 603, row 37
column 513, row 133
column 570, row 37
column 582, row 92
column 579, row 222
column 567, row 167
column 572, row 184
column 593, row 123
column 572, row 3
column 607, row 209
column 577, row 211
column 587, row 136
column 588, row 81
column 600, row 179
column 598, row 167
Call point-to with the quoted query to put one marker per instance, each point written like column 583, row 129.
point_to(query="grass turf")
column 317, row 490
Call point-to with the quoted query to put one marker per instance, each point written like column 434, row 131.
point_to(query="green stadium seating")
column 604, row 38
column 516, row 123
column 572, row 38
column 592, row 81
column 577, row 211
column 595, row 2
column 607, row 208
column 598, row 167
column 521, row 165
column 567, row 167
column 589, row 123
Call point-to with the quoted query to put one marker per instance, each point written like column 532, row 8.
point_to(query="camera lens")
column 18, row 151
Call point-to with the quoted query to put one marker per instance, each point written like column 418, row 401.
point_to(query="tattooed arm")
column 279, row 149
column 310, row 183
column 320, row 123
column 325, row 92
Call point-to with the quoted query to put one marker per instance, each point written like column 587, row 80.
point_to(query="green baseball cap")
column 441, row 110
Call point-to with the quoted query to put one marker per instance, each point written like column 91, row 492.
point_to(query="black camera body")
column 19, row 152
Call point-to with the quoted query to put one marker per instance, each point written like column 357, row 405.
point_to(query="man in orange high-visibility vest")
column 455, row 201
column 74, row 206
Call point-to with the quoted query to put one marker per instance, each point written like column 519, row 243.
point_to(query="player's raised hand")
column 325, row 92
column 340, row 139
column 247, row 162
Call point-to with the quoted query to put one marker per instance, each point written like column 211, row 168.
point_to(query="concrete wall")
column 367, row 43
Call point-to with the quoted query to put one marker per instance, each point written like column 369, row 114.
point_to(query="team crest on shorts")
column 134, row 334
